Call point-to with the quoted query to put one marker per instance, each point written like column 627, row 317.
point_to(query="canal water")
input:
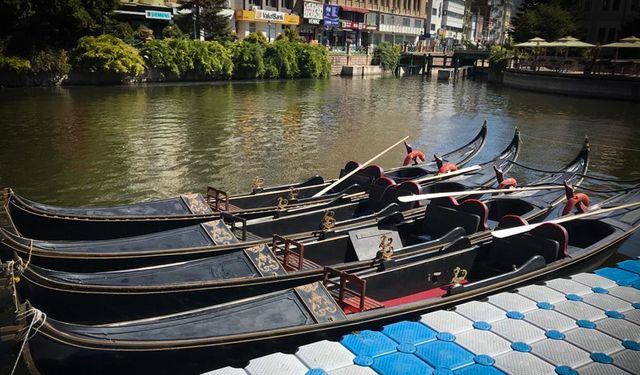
column 108, row 145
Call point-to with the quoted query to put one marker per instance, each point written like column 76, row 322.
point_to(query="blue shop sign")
column 331, row 15
column 157, row 15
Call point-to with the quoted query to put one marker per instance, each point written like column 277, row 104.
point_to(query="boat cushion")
column 548, row 240
column 555, row 232
column 400, row 190
column 376, row 193
column 363, row 177
column 472, row 206
column 510, row 221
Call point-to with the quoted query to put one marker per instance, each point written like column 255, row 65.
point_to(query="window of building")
column 382, row 19
column 273, row 3
column 417, row 23
column 606, row 4
column 612, row 35
column 433, row 27
column 616, row 5
column 601, row 34
column 288, row 4
column 255, row 2
column 635, row 5
column 434, row 12
column 252, row 27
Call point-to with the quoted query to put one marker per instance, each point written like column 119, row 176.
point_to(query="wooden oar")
column 472, row 168
column 359, row 168
column 413, row 198
column 526, row 228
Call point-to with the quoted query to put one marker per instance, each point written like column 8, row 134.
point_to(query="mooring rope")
column 38, row 316
column 587, row 176
column 573, row 144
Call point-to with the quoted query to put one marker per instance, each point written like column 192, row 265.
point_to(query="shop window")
column 417, row 23
column 382, row 19
column 255, row 2
column 252, row 27
column 273, row 3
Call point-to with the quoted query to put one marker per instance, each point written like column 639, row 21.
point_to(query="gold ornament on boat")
column 328, row 220
column 459, row 275
column 197, row 205
column 219, row 232
column 263, row 260
column 319, row 303
column 282, row 203
column 293, row 193
column 258, row 182
column 386, row 247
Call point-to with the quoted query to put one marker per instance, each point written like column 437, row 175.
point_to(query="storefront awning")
column 347, row 8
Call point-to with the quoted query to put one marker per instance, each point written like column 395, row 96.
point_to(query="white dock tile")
column 540, row 293
column 619, row 328
column 550, row 320
column 480, row 311
column 633, row 316
column 593, row 280
column 512, row 302
column 568, row 286
column 523, row 364
column 579, row 310
column 277, row 363
column 352, row 370
column 593, row 341
column 560, row 353
column 226, row 371
column 607, row 302
column 483, row 342
column 447, row 321
column 601, row 369
column 626, row 293
column 628, row 360
column 328, row 355
column 518, row 330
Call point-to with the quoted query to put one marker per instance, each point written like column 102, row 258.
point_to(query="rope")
column 621, row 190
column 38, row 316
column 590, row 177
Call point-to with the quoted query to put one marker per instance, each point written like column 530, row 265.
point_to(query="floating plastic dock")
column 585, row 324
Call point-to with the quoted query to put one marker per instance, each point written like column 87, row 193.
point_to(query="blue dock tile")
column 630, row 265
column 601, row 358
column 369, row 343
column 400, row 363
column 565, row 370
column 614, row 314
column 406, row 348
column 444, row 354
column 316, row 371
column 477, row 369
column 409, row 332
column 631, row 345
column 618, row 275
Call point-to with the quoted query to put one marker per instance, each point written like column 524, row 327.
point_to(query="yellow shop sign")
column 266, row 16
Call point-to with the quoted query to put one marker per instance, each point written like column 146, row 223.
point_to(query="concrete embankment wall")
column 338, row 61
column 598, row 86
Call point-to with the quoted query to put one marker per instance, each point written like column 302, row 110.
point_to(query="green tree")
column 291, row 35
column 570, row 6
column 30, row 25
column 549, row 22
column 386, row 55
column 107, row 54
column 257, row 38
column 208, row 18
column 248, row 60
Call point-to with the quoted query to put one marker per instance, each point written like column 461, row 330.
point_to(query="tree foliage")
column 548, row 21
column 499, row 58
column 386, row 55
column 208, row 18
column 313, row 61
column 248, row 60
column 257, row 38
column 107, row 54
column 281, row 59
column 38, row 24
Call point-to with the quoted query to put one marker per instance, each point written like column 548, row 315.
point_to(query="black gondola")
column 194, row 341
column 42, row 221
column 137, row 293
column 217, row 237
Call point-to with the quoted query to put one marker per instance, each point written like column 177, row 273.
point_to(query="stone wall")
column 340, row 60
column 598, row 86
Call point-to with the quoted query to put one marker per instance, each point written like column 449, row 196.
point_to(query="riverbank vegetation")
column 386, row 55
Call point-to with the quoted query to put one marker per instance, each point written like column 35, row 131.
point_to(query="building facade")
column 269, row 17
column 604, row 19
column 154, row 14
column 496, row 20
column 446, row 22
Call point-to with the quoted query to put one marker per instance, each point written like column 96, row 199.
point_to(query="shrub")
column 14, row 64
column 143, row 33
column 50, row 61
column 290, row 35
column 107, row 53
column 248, row 60
column 212, row 59
column 172, row 31
column 281, row 60
column 313, row 61
column 499, row 58
column 257, row 38
column 168, row 56
column 124, row 31
column 386, row 55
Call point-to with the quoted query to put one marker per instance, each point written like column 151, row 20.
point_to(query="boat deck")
column 587, row 324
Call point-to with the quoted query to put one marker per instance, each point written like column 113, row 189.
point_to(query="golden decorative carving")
column 220, row 233
column 328, row 220
column 459, row 275
column 264, row 262
column 282, row 202
column 258, row 182
column 385, row 247
column 293, row 193
column 321, row 305
column 197, row 205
